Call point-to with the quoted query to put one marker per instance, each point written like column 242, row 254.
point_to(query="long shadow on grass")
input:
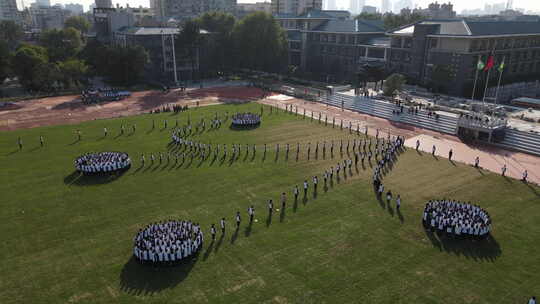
column 487, row 249
column 138, row 279
column 79, row 179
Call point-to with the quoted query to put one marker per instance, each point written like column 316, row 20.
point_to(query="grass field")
column 69, row 240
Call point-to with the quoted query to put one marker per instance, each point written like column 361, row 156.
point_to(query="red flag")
column 490, row 63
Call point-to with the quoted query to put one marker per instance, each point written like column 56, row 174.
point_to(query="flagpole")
column 499, row 82
column 485, row 90
column 474, row 86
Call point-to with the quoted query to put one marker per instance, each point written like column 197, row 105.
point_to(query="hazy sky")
column 458, row 4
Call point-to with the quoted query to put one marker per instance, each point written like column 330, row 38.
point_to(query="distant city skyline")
column 459, row 5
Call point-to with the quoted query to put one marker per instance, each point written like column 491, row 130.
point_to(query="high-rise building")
column 368, row 9
column 75, row 8
column 190, row 8
column 9, row 11
column 331, row 5
column 43, row 3
column 104, row 4
column 295, row 7
column 356, row 6
column 386, row 6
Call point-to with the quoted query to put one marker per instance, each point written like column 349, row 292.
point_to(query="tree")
column 393, row 84
column 391, row 20
column 217, row 47
column 260, row 43
column 93, row 54
column 79, row 23
column 73, row 72
column 30, row 61
column 10, row 32
column 125, row 64
column 5, row 61
column 61, row 44
column 188, row 42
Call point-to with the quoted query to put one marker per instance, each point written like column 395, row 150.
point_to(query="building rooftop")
column 463, row 27
column 141, row 31
column 317, row 14
column 349, row 26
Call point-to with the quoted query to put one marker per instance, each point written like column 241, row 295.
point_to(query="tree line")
column 255, row 42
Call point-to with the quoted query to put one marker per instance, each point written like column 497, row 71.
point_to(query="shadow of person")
column 390, row 208
column 282, row 215
column 295, row 205
column 138, row 279
column 219, row 242
column 400, row 215
column 79, row 179
column 533, row 189
column 208, row 250
column 487, row 249
column 269, row 219
column 235, row 235
column 247, row 232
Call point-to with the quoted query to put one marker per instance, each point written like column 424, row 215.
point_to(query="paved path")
column 491, row 158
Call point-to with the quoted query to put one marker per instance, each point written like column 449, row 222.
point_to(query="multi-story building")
column 355, row 6
column 456, row 46
column 45, row 18
column 184, row 9
column 104, row 4
column 434, row 11
column 9, row 11
column 109, row 20
column 331, row 43
column 296, row 7
column 368, row 9
column 243, row 9
column 75, row 8
column 139, row 13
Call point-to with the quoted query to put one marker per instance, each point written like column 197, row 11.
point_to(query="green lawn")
column 68, row 239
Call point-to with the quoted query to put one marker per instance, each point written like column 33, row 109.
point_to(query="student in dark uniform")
column 238, row 219
column 222, row 224
column 450, row 153
column 270, row 207
column 283, row 200
column 20, row 143
column 213, row 232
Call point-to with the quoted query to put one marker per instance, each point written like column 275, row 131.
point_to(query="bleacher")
column 444, row 124
column 514, row 139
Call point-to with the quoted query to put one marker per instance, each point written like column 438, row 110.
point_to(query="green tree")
column 11, row 32
column 125, row 64
column 93, row 54
column 5, row 61
column 61, row 44
column 393, row 84
column 261, row 44
column 188, row 42
column 30, row 60
column 79, row 23
column 73, row 72
column 217, row 48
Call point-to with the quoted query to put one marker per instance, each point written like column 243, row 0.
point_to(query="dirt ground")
column 71, row 110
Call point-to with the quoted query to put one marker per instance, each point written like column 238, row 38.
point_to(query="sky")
column 459, row 5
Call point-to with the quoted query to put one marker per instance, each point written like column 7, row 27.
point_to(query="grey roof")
column 527, row 100
column 141, row 31
column 462, row 27
column 348, row 26
column 316, row 14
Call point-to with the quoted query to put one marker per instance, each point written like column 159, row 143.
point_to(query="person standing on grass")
column 306, row 186
column 296, row 192
column 20, row 143
column 79, row 135
column 283, row 201
column 213, row 232
column 315, row 182
column 398, row 202
column 476, row 162
column 388, row 196
column 238, row 219
column 270, row 207
column 105, row 132
column 503, row 170
column 41, row 140
column 133, row 128
column 532, row 300
column 525, row 174
column 450, row 153
column 325, row 177
column 222, row 224
column 433, row 150
column 251, row 213
column 142, row 159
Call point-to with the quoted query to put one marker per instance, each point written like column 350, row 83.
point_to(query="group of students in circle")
column 246, row 120
column 167, row 242
column 102, row 162
column 456, row 219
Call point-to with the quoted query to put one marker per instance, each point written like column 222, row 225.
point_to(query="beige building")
column 246, row 8
column 295, row 7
